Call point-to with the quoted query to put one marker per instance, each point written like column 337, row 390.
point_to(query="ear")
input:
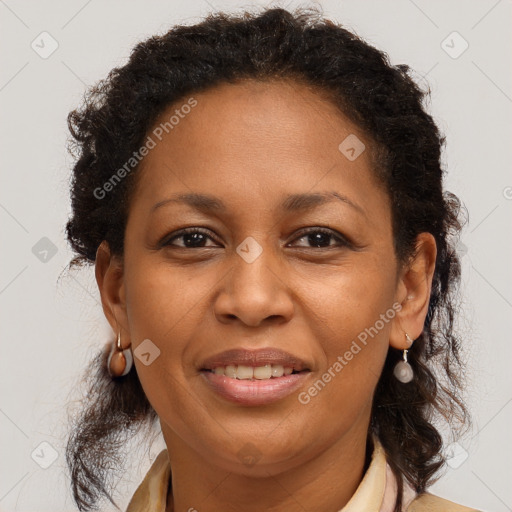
column 109, row 274
column 413, row 292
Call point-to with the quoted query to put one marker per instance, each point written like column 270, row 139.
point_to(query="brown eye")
column 193, row 238
column 320, row 238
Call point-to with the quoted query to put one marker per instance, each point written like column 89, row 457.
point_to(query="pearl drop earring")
column 403, row 370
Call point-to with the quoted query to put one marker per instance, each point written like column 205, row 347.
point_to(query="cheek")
column 348, row 301
column 162, row 306
column 163, row 303
column 352, row 318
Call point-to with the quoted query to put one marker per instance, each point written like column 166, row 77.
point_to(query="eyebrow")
column 292, row 203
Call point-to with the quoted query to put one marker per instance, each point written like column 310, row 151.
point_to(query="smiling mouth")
column 244, row 372
column 254, row 386
column 252, row 378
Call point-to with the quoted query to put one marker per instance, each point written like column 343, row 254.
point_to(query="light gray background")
column 49, row 328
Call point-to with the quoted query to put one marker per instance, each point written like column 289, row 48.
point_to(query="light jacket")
column 375, row 493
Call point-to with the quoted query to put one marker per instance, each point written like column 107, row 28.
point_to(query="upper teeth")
column 248, row 372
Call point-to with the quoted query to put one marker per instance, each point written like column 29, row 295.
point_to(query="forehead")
column 257, row 116
column 252, row 140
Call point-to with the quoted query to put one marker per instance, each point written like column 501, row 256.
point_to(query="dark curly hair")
column 384, row 101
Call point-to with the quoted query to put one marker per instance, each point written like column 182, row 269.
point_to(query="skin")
column 252, row 144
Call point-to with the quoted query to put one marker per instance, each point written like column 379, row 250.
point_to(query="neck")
column 324, row 482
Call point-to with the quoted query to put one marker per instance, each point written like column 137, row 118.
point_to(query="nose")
column 254, row 293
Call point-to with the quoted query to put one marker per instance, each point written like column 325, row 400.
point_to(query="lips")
column 277, row 375
column 255, row 358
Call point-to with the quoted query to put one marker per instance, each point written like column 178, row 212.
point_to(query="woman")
column 262, row 198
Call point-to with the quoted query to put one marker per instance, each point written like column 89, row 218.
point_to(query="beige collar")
column 375, row 493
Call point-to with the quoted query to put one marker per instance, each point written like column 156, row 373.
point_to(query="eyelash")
column 342, row 241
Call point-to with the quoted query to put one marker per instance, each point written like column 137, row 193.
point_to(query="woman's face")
column 258, row 274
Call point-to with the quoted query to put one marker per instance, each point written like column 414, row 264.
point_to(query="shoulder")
column 427, row 502
column 151, row 494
